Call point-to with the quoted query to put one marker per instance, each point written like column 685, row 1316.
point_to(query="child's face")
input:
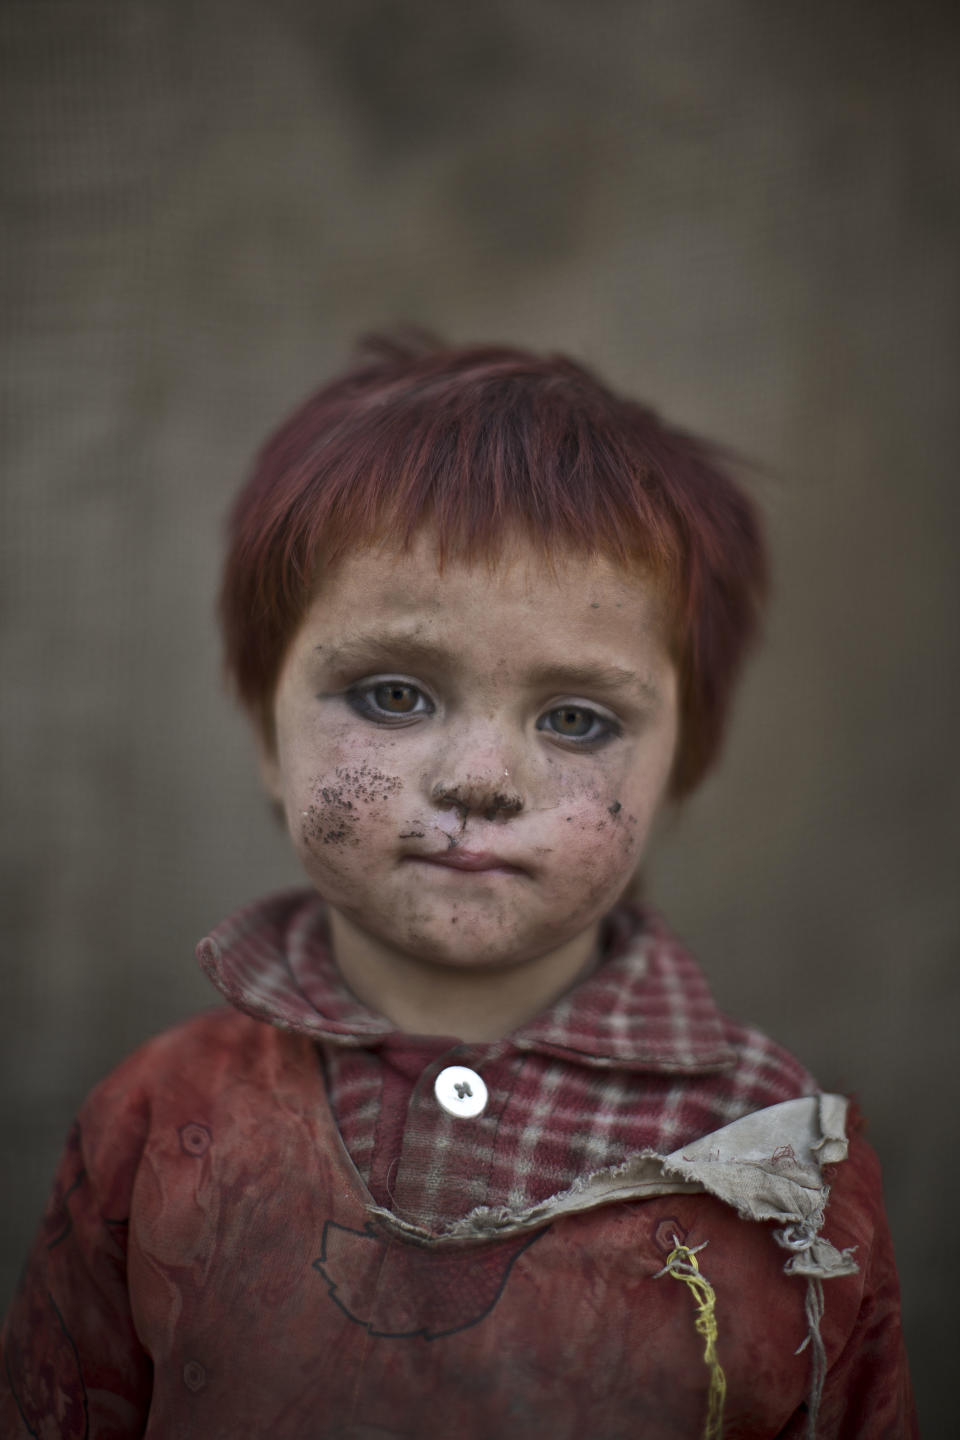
column 470, row 761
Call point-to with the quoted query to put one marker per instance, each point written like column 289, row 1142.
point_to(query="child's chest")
column 271, row 1303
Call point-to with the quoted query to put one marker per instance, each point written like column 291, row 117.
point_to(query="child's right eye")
column 387, row 700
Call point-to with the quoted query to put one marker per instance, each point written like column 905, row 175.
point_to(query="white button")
column 461, row 1092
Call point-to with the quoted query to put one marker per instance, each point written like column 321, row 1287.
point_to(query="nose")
column 478, row 795
column 474, row 778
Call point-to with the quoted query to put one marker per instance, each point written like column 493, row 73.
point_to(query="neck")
column 475, row 1004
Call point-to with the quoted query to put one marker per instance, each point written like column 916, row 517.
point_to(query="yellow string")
column 683, row 1265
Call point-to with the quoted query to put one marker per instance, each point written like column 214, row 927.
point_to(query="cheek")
column 595, row 840
column 343, row 811
column 599, row 829
column 598, row 845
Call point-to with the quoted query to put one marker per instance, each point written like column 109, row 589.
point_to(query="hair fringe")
column 483, row 445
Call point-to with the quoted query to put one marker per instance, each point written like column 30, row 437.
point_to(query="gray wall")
column 745, row 213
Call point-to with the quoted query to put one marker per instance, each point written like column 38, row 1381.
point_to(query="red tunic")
column 212, row 1264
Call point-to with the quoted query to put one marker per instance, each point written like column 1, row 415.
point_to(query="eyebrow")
column 359, row 649
column 593, row 677
column 400, row 645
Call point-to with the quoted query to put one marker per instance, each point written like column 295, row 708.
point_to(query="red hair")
column 479, row 444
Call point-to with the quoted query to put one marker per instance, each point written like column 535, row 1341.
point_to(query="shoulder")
column 206, row 1058
column 713, row 1070
column 763, row 1072
column 855, row 1209
column 204, row 1044
column 669, row 979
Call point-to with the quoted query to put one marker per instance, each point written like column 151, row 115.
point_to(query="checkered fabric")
column 636, row 1057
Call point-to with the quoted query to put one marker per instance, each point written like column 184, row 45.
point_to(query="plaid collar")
column 646, row 1007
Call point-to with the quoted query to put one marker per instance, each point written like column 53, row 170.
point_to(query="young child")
column 470, row 1153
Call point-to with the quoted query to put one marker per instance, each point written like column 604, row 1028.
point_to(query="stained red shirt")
column 212, row 1264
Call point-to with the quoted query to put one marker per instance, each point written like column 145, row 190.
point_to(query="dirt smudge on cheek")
column 605, row 844
column 341, row 801
column 329, row 823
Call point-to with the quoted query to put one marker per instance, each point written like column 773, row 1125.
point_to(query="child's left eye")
column 577, row 723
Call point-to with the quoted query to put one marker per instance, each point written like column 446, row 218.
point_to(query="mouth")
column 470, row 861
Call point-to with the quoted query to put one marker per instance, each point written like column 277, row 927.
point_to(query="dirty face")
column 470, row 760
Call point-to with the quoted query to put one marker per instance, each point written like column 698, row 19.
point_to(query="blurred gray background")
column 744, row 212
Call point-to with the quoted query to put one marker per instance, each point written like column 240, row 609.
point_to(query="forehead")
column 523, row 600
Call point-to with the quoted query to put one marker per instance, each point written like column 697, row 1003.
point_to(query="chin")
column 455, row 952
column 459, row 944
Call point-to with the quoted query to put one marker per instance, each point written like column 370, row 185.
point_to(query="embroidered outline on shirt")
column 340, row 1271
column 57, row 1223
column 77, row 1390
